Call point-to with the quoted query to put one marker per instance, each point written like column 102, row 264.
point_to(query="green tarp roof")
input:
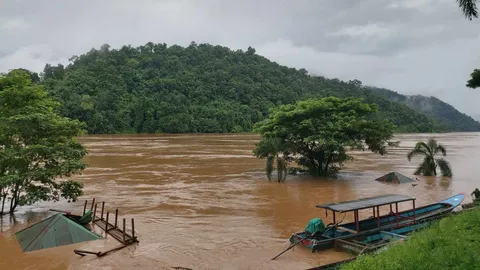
column 57, row 230
column 395, row 177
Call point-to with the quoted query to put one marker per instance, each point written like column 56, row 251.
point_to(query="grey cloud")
column 411, row 46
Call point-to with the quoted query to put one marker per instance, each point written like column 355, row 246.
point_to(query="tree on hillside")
column 203, row 88
column 469, row 8
column 36, row 145
column 429, row 151
column 317, row 132
column 474, row 82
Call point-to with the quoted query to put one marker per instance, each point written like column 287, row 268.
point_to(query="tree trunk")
column 14, row 200
column 329, row 159
column 3, row 203
column 319, row 170
column 269, row 167
column 11, row 205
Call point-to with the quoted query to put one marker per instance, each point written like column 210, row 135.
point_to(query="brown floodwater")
column 203, row 202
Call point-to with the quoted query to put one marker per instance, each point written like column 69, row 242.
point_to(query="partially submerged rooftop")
column 365, row 203
column 395, row 177
column 55, row 231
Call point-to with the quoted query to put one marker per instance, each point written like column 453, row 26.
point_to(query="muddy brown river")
column 203, row 202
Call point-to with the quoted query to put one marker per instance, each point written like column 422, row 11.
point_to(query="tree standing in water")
column 317, row 133
column 429, row 151
column 37, row 146
column 271, row 150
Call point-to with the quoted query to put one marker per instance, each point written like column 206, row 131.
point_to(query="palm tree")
column 469, row 8
column 429, row 165
column 269, row 148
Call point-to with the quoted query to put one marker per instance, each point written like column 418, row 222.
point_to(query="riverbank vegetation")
column 470, row 10
column 316, row 133
column 36, row 145
column 429, row 150
column 451, row 243
column 203, row 88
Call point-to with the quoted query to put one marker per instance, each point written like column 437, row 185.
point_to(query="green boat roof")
column 57, row 230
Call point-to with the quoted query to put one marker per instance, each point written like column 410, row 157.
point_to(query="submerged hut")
column 57, row 230
column 395, row 177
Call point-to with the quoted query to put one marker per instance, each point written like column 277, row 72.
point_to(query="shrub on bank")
column 451, row 243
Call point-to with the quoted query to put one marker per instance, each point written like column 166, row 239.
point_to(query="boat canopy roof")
column 364, row 203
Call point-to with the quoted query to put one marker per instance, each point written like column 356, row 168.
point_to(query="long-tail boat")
column 318, row 237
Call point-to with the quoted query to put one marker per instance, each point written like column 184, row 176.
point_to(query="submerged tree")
column 429, row 151
column 318, row 131
column 36, row 145
column 271, row 150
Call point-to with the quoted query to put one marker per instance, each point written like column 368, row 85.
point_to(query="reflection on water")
column 202, row 201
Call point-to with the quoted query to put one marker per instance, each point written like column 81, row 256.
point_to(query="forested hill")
column 435, row 108
column 203, row 88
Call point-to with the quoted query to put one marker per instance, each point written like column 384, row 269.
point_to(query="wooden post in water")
column 93, row 202
column 106, row 223
column 133, row 229
column 124, row 242
column 103, row 206
column 116, row 216
column 85, row 207
column 94, row 212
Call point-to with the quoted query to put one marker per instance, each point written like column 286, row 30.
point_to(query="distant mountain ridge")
column 443, row 112
column 212, row 89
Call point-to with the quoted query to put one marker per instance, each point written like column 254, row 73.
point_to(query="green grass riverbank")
column 451, row 243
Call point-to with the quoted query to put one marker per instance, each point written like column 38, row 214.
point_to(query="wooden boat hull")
column 370, row 226
column 390, row 236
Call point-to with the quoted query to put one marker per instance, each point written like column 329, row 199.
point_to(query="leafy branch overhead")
column 469, row 8
column 317, row 133
column 36, row 145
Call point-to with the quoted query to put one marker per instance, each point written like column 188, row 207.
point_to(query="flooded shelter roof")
column 366, row 202
column 395, row 177
column 57, row 230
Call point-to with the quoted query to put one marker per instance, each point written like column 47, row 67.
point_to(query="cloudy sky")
column 410, row 46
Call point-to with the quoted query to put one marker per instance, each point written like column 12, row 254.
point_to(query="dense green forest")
column 206, row 88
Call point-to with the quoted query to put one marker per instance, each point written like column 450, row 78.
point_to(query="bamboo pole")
column 82, row 252
column 85, row 207
column 133, row 229
column 106, row 223
column 116, row 216
column 93, row 202
column 124, row 242
column 101, row 254
column 103, row 207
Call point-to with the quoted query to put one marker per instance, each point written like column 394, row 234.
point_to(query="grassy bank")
column 451, row 243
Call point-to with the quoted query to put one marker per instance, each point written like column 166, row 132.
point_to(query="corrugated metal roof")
column 395, row 177
column 54, row 231
column 366, row 202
